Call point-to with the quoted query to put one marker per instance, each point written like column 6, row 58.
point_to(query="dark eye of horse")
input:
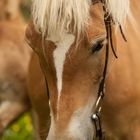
column 97, row 46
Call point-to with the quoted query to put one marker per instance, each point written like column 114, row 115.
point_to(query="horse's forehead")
column 96, row 26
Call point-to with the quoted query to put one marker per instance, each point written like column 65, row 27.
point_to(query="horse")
column 14, row 60
column 84, row 51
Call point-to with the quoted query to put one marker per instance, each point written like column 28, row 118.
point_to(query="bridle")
column 96, row 117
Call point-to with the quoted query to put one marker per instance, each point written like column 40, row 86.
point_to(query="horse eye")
column 97, row 46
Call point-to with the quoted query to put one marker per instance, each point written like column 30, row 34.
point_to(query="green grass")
column 21, row 130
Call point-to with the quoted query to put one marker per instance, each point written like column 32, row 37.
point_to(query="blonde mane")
column 56, row 17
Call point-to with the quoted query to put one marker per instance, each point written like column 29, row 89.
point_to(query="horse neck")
column 133, row 27
column 135, row 9
column 128, row 52
column 124, row 72
column 131, row 31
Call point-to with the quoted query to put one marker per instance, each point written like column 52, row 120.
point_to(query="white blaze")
column 59, row 60
column 81, row 126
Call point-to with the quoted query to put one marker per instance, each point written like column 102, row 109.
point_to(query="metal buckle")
column 98, row 128
column 96, row 117
column 99, row 101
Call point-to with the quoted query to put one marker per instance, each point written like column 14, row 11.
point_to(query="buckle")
column 98, row 128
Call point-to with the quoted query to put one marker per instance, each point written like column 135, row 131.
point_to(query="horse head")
column 71, row 39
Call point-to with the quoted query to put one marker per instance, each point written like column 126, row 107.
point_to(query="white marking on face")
column 59, row 55
column 51, row 133
column 81, row 126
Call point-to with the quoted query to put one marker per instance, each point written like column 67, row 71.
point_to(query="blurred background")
column 25, row 8
column 15, row 118
column 20, row 129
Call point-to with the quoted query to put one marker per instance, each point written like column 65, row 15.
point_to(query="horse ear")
column 12, row 8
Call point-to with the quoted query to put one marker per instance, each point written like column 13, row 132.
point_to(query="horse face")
column 73, row 73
